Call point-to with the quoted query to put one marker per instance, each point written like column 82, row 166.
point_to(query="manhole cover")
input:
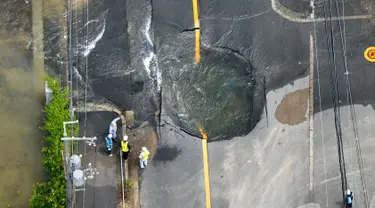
column 370, row 54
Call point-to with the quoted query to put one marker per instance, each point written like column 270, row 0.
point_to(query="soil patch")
column 292, row 108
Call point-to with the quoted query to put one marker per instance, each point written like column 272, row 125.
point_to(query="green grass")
column 52, row 194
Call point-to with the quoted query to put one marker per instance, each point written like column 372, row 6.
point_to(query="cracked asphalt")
column 269, row 167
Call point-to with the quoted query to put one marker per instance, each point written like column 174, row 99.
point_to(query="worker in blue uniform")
column 109, row 142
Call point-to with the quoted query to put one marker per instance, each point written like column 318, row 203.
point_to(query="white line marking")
column 321, row 116
column 312, row 19
column 311, row 112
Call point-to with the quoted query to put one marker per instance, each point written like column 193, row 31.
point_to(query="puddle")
column 292, row 108
column 166, row 154
column 217, row 93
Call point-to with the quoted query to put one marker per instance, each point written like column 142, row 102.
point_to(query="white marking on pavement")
column 311, row 112
column 339, row 177
column 275, row 4
column 321, row 115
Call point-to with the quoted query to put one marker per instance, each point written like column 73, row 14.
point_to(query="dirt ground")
column 292, row 108
column 144, row 135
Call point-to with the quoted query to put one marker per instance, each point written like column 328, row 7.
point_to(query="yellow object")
column 206, row 173
column 197, row 32
column 369, row 54
column 205, row 166
column 124, row 146
column 145, row 155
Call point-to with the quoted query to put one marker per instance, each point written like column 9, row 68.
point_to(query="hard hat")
column 348, row 192
column 113, row 123
column 144, row 149
column 110, row 136
column 125, row 138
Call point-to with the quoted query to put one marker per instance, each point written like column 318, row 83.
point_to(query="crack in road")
column 190, row 29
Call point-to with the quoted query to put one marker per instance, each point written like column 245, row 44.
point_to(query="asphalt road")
column 175, row 176
column 270, row 167
column 354, row 82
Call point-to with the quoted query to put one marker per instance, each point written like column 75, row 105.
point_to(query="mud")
column 292, row 108
column 145, row 136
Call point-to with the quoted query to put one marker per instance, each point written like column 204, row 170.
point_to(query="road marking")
column 275, row 4
column 197, row 32
column 370, row 54
column 312, row 5
column 205, row 167
column 311, row 111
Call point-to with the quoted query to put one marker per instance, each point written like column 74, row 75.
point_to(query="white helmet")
column 144, row 149
column 125, row 138
column 348, row 192
column 110, row 136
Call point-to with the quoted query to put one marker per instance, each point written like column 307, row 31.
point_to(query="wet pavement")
column 140, row 56
column 175, row 176
column 102, row 190
column 276, row 156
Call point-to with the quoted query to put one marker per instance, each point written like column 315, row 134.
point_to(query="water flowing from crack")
column 150, row 61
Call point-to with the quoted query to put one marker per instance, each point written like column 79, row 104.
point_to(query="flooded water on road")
column 20, row 109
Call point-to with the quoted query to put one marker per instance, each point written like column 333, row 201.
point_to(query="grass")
column 128, row 185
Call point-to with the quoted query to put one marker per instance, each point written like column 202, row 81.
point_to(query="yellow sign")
column 370, row 54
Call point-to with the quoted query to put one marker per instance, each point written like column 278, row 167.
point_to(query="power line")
column 85, row 92
column 351, row 105
column 335, row 94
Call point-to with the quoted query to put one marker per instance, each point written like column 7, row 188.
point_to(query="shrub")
column 52, row 194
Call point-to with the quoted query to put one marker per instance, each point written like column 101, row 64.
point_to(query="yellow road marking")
column 197, row 32
column 205, row 167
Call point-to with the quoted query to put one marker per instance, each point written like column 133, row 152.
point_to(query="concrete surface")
column 267, row 168
column 102, row 190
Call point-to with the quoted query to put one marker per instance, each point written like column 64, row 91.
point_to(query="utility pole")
column 66, row 159
column 88, row 173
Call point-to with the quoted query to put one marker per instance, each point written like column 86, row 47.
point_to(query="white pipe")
column 122, row 180
column 77, row 138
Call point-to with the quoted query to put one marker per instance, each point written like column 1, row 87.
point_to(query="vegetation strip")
column 51, row 194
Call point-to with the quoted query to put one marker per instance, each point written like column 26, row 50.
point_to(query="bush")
column 52, row 194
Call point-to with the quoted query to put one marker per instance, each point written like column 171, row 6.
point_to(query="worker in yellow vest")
column 143, row 157
column 125, row 147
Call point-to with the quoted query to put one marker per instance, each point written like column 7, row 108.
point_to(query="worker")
column 113, row 127
column 108, row 140
column 349, row 198
column 125, row 148
column 143, row 157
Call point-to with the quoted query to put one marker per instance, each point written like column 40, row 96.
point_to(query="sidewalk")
column 102, row 190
